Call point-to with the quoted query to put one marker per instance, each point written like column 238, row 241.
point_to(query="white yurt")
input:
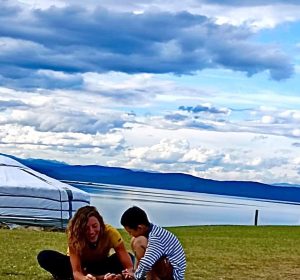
column 28, row 197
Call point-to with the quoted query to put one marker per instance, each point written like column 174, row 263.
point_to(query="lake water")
column 177, row 208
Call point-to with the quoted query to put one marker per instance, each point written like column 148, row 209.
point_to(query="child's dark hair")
column 133, row 217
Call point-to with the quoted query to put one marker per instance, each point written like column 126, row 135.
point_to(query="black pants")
column 59, row 265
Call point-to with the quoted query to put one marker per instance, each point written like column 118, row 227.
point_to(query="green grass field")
column 213, row 252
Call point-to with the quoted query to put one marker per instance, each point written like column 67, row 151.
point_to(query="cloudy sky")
column 205, row 87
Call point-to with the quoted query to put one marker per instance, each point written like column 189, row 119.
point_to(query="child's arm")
column 153, row 253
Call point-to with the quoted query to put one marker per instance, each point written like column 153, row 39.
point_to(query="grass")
column 213, row 252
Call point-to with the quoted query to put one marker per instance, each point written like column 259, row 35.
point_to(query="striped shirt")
column 162, row 243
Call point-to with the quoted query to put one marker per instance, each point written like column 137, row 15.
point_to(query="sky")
column 203, row 87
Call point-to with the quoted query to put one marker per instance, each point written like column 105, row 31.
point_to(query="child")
column 158, row 252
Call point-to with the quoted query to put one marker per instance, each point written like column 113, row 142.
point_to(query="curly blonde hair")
column 76, row 229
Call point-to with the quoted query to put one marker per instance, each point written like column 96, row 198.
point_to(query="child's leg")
column 162, row 269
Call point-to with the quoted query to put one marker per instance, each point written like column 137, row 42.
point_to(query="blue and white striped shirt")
column 162, row 243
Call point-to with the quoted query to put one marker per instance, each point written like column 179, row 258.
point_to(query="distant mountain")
column 286, row 185
column 170, row 181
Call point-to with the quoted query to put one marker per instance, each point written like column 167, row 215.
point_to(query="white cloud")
column 296, row 160
column 71, row 106
column 61, row 124
column 268, row 16
column 126, row 42
column 296, row 132
column 167, row 151
column 255, row 162
column 69, row 147
column 267, row 119
column 199, row 155
column 258, row 15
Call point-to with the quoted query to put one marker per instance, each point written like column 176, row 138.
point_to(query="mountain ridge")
column 156, row 180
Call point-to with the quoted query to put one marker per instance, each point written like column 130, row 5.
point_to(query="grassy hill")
column 213, row 252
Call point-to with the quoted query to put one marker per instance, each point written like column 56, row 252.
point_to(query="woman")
column 89, row 243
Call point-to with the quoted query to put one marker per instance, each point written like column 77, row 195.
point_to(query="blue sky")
column 208, row 88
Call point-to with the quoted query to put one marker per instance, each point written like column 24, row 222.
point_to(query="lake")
column 178, row 208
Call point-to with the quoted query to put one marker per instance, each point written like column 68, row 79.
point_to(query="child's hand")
column 112, row 276
column 128, row 274
column 90, row 277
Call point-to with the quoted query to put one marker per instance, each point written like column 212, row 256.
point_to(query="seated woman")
column 89, row 243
